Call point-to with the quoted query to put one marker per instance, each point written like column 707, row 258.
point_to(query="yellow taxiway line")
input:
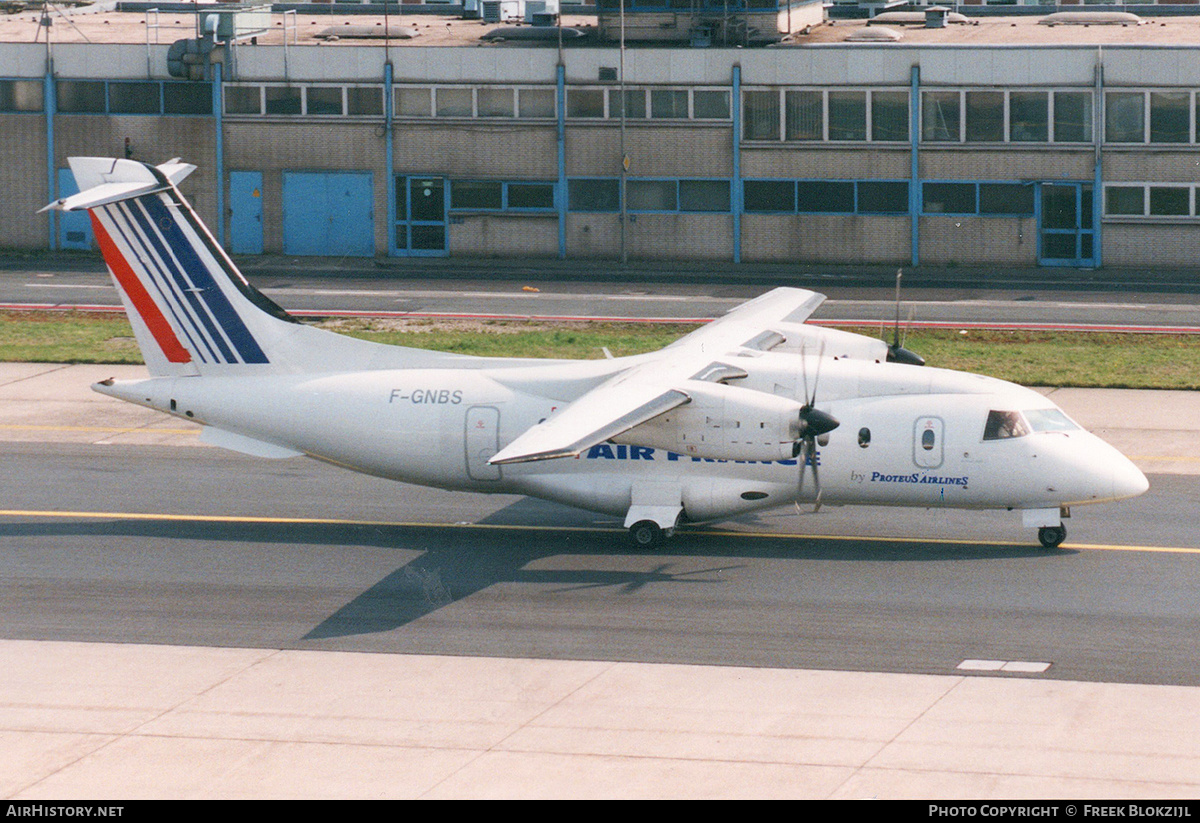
column 318, row 521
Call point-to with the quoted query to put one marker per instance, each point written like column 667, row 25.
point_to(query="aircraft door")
column 482, row 439
column 928, row 436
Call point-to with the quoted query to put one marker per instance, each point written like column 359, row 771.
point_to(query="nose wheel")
column 1052, row 536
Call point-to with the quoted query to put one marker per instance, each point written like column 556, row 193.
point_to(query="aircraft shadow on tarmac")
column 457, row 561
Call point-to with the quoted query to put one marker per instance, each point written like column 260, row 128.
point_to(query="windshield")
column 1002, row 425
column 1049, row 420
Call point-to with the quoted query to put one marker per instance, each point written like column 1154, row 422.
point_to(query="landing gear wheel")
column 646, row 534
column 1052, row 536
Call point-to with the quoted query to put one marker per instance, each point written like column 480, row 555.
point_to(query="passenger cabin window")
column 1002, row 425
column 864, row 438
column 928, row 439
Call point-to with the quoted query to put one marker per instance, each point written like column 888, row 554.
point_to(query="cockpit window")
column 1049, row 420
column 1002, row 425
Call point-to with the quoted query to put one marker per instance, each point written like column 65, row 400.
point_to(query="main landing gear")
column 647, row 535
column 1052, row 536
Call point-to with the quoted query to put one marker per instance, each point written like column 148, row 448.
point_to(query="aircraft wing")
column 662, row 382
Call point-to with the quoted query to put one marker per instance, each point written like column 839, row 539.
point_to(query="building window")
column 243, row 100
column 1123, row 117
column 847, row 115
column 453, row 102
column 364, row 101
column 20, row 95
column 1170, row 201
column 710, row 105
column 940, row 116
column 1149, row 200
column 497, row 195
column 283, row 100
column 948, row 198
column 889, row 115
column 825, row 197
column 496, row 101
column 760, row 115
column 704, row 196
column 635, row 104
column 985, row 116
column 413, row 102
column 529, row 196
column 323, row 100
column 471, row 194
column 678, row 195
column 1072, row 117
column 669, row 104
column 134, row 98
column 767, row 196
column 882, row 197
column 1006, row 199
column 989, row 199
column 1169, row 116
column 535, row 103
column 1029, row 116
column 585, row 102
column 652, row 195
column 804, row 120
column 1122, row 200
column 80, row 96
column 187, row 98
column 594, row 194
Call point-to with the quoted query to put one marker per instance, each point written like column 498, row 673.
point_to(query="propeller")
column 811, row 424
column 896, row 351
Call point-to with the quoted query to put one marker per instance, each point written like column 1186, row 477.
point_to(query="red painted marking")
column 146, row 308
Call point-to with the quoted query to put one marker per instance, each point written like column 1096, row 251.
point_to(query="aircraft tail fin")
column 192, row 311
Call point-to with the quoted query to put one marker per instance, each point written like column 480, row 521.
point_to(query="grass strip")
column 1032, row 358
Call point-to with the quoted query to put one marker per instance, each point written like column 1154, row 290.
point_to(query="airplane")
column 755, row 410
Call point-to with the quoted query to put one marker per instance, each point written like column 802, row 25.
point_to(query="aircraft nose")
column 1128, row 480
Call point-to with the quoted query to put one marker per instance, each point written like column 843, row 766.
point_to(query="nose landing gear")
column 1052, row 537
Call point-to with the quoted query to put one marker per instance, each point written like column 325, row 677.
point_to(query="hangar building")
column 1022, row 139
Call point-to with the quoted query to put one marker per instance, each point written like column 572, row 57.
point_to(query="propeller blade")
column 896, row 351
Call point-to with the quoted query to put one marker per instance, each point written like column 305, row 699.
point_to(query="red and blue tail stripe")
column 149, row 239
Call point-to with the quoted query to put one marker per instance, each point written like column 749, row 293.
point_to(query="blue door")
column 245, row 212
column 74, row 227
column 329, row 213
column 421, row 217
column 1066, row 232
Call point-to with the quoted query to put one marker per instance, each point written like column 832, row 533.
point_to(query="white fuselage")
column 909, row 436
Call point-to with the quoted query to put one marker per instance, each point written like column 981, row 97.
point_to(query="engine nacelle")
column 724, row 423
column 834, row 343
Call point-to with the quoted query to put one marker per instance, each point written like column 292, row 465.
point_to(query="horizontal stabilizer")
column 245, row 445
column 104, row 180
